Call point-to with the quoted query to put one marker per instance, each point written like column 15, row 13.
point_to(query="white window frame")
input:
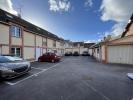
column 16, row 31
column 15, row 52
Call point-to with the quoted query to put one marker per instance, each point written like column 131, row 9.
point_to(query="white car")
column 130, row 75
column 11, row 67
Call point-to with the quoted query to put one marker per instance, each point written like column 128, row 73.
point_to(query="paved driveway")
column 75, row 78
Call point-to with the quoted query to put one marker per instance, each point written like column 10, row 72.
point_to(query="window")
column 54, row 43
column 98, row 50
column 44, row 42
column 16, row 52
column 16, row 31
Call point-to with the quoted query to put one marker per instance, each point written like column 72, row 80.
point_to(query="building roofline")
column 128, row 26
column 7, row 17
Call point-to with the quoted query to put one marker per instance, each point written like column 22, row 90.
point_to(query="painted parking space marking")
column 95, row 90
column 33, row 75
column 37, row 68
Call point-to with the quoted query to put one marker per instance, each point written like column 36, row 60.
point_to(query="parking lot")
column 74, row 78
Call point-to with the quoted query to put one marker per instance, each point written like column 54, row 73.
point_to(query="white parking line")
column 36, row 74
column 37, row 68
column 95, row 90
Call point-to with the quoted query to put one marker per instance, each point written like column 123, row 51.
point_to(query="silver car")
column 11, row 67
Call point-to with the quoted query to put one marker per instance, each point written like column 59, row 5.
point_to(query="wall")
column 38, row 41
column 122, row 40
column 29, row 53
column 103, row 52
column 29, row 39
column 75, row 50
column 4, row 34
column 83, row 49
column 5, row 50
column 16, row 41
column 50, row 43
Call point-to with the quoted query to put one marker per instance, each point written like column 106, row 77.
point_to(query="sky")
column 76, row 20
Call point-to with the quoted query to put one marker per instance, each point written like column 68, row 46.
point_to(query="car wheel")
column 39, row 60
column 52, row 61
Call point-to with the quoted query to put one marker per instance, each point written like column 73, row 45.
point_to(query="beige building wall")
column 96, row 54
column 44, row 42
column 29, row 53
column 58, row 44
column 4, row 34
column 130, row 32
column 5, row 50
column 16, row 41
column 83, row 49
column 125, row 39
column 68, row 50
column 29, row 39
column 90, row 51
column 38, row 40
column 75, row 50
column 50, row 43
column 103, row 52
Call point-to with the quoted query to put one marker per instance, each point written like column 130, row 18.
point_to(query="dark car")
column 75, row 53
column 11, row 67
column 49, row 57
column 85, row 53
column 68, row 54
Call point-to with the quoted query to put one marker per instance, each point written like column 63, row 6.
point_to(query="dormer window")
column 16, row 31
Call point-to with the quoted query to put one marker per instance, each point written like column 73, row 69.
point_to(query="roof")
column 94, row 46
column 7, row 17
column 128, row 26
column 88, row 45
column 76, row 43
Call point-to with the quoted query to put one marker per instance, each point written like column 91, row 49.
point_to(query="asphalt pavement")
column 74, row 78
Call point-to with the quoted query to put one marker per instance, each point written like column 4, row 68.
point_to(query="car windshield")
column 4, row 59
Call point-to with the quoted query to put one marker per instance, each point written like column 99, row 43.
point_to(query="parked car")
column 75, row 53
column 49, row 57
column 68, row 54
column 85, row 53
column 11, row 67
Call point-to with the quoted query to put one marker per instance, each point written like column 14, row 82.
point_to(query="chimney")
column 109, row 37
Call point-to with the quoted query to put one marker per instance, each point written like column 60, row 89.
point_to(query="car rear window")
column 4, row 60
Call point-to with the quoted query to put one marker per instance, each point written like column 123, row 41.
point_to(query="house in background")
column 68, row 46
column 81, row 47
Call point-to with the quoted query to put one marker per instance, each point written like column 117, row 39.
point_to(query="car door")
column 48, row 57
column 51, row 57
column 44, row 57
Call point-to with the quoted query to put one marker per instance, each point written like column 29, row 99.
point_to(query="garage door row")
column 122, row 54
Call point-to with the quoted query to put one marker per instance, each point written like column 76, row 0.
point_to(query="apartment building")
column 68, row 46
column 79, row 47
column 23, row 39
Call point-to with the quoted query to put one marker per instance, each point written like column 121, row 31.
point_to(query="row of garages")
column 118, row 50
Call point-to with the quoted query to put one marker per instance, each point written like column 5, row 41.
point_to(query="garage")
column 122, row 54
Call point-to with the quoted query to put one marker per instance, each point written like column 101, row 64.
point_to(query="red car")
column 49, row 57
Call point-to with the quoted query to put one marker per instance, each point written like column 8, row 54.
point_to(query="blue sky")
column 76, row 20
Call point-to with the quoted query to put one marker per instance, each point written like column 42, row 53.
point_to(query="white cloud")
column 88, row 3
column 118, row 11
column 7, row 6
column 59, row 5
column 90, row 41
